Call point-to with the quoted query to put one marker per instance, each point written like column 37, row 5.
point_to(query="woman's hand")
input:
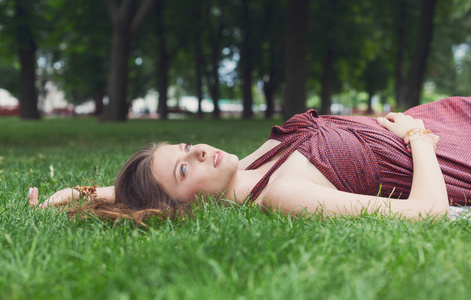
column 399, row 123
column 61, row 197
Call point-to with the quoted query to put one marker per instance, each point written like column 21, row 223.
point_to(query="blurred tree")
column 199, row 60
column 463, row 78
column 236, row 31
column 126, row 18
column 270, row 65
column 328, row 73
column 214, row 21
column 83, row 78
column 296, row 42
column 27, row 46
column 355, row 44
column 164, row 59
column 348, row 35
column 247, row 52
column 416, row 73
column 370, row 54
column 375, row 78
column 449, row 52
column 460, row 22
column 164, row 39
column 9, row 67
column 400, row 25
column 20, row 26
column 167, row 42
column 9, row 77
column 141, row 76
column 83, row 34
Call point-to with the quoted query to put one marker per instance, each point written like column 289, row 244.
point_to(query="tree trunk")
column 327, row 80
column 328, row 72
column 163, row 63
column 162, row 84
column 199, row 58
column 117, row 108
column 126, row 18
column 269, row 98
column 28, row 94
column 214, row 79
column 215, row 40
column 370, row 100
column 400, row 35
column 418, row 66
column 247, row 90
column 296, row 40
column 269, row 83
column 246, row 62
column 271, row 77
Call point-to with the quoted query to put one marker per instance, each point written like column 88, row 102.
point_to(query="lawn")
column 221, row 252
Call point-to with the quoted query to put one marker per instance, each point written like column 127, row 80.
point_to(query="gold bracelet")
column 88, row 192
column 417, row 133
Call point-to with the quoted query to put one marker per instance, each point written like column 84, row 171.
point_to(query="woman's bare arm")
column 69, row 195
column 428, row 194
column 105, row 193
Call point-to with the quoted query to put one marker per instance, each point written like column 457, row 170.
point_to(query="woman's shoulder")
column 264, row 148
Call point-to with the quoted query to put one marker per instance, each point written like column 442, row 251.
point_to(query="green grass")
column 221, row 253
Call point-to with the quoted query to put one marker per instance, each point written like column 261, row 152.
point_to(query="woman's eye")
column 183, row 170
column 187, row 147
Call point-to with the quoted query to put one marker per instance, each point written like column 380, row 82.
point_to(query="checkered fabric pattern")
column 359, row 156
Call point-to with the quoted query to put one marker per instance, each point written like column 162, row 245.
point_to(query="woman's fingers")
column 386, row 123
column 393, row 116
column 390, row 120
column 397, row 117
column 33, row 196
column 399, row 123
column 58, row 198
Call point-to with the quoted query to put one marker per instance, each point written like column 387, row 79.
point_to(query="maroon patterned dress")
column 359, row 156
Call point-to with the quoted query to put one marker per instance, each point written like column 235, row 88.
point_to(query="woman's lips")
column 217, row 158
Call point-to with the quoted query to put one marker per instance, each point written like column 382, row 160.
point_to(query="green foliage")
column 222, row 252
column 464, row 75
column 176, row 20
column 11, row 39
column 74, row 37
column 446, row 70
column 82, row 39
column 9, row 78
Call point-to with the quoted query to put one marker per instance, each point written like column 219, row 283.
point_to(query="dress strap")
column 295, row 141
column 267, row 156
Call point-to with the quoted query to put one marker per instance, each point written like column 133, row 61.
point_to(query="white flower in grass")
column 52, row 171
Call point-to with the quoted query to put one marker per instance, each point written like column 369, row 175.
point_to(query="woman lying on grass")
column 329, row 165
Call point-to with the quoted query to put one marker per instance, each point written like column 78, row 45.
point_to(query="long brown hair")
column 137, row 194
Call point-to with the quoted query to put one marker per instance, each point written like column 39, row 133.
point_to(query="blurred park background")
column 164, row 59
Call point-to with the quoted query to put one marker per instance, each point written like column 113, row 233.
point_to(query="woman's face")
column 186, row 170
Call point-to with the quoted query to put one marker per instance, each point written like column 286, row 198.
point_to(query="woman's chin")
column 234, row 161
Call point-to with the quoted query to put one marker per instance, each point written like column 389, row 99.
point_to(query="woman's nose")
column 200, row 154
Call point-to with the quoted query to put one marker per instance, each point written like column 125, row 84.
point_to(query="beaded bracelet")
column 417, row 133
column 88, row 192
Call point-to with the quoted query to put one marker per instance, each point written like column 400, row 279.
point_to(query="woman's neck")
column 242, row 184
